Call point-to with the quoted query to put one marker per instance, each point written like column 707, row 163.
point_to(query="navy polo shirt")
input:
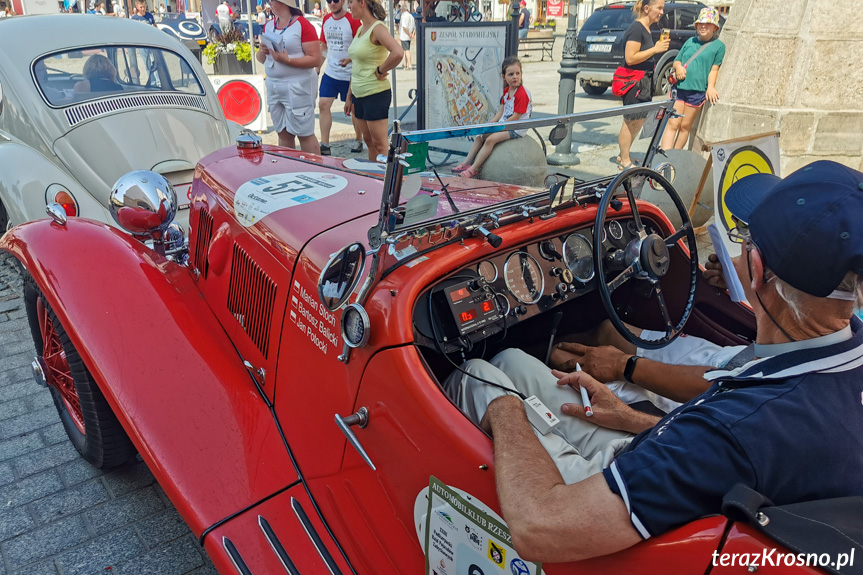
column 789, row 426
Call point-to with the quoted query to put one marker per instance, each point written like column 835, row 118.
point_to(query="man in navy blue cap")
column 759, row 424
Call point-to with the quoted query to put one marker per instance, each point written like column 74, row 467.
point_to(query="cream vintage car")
column 86, row 99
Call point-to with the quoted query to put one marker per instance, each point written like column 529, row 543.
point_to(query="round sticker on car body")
column 263, row 196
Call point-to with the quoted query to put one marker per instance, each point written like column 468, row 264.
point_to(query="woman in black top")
column 639, row 51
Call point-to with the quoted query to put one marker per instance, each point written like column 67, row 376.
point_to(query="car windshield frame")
column 391, row 228
column 59, row 76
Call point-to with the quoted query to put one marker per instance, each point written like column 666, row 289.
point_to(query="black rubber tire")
column 592, row 90
column 105, row 443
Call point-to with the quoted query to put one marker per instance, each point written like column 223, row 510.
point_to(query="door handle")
column 360, row 418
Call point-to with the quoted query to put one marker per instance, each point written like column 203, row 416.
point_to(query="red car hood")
column 250, row 185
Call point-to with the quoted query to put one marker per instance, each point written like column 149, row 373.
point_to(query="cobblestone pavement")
column 58, row 514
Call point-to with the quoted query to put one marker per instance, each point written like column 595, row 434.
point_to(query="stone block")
column 28, row 422
column 129, row 478
column 44, row 568
column 834, row 19
column 161, row 528
column 839, row 133
column 45, row 541
column 762, row 71
column 70, row 501
column 20, row 445
column 745, row 122
column 100, row 555
column 775, row 16
column 42, row 459
column 15, row 522
column 519, row 162
column 173, row 559
column 796, row 132
column 830, row 84
column 125, row 510
column 77, row 471
column 54, row 433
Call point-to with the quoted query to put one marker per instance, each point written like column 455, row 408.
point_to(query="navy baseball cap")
column 808, row 226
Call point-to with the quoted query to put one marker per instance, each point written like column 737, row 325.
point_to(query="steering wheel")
column 646, row 258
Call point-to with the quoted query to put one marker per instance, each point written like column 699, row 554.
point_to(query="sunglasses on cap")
column 740, row 232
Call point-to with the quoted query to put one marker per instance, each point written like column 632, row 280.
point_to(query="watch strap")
column 630, row 368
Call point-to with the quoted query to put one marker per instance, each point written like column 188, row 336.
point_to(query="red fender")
column 181, row 392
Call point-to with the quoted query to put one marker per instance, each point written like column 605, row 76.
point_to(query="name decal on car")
column 263, row 196
column 312, row 319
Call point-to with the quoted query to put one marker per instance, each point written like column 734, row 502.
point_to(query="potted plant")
column 230, row 54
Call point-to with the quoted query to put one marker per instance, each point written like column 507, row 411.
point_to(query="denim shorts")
column 691, row 98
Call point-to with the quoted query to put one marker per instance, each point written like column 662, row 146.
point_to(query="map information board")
column 460, row 81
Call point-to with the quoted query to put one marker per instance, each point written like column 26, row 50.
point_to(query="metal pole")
column 395, row 92
column 252, row 40
column 568, row 71
column 515, row 8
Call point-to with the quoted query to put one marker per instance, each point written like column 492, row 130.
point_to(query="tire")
column 661, row 87
column 86, row 416
column 592, row 90
column 4, row 219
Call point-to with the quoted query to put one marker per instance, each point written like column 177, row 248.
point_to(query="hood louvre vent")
column 250, row 298
column 77, row 114
column 202, row 241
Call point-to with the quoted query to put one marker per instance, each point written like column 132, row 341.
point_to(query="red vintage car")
column 280, row 373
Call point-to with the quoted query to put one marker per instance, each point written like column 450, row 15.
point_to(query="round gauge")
column 487, row 270
column 615, row 230
column 355, row 325
column 523, row 277
column 547, row 250
column 578, row 257
column 633, row 229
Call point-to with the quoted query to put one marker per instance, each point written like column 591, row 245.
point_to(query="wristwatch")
column 630, row 368
column 378, row 68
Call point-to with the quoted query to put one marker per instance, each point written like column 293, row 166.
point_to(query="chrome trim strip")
column 235, row 556
column 77, row 114
column 277, row 546
column 314, row 537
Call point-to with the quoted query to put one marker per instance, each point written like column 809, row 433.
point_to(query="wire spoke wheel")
column 87, row 417
column 58, row 373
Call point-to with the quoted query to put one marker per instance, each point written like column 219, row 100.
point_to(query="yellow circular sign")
column 742, row 162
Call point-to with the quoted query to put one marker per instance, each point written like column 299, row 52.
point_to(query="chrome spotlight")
column 144, row 204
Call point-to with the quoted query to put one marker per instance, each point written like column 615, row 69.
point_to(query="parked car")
column 186, row 30
column 600, row 43
column 66, row 138
column 282, row 380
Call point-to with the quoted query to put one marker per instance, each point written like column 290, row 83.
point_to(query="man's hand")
column 713, row 272
column 502, row 407
column 608, row 410
column 605, row 363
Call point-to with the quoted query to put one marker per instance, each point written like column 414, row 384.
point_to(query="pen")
column 588, row 408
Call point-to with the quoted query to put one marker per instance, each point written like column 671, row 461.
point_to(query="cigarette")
column 585, row 400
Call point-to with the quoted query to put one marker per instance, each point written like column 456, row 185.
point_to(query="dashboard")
column 497, row 293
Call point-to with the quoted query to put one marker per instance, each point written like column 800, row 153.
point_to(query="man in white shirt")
column 337, row 32
column 223, row 12
column 407, row 31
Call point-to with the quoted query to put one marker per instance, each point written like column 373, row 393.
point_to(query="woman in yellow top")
column 373, row 53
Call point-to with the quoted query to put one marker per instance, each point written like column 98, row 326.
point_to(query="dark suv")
column 600, row 42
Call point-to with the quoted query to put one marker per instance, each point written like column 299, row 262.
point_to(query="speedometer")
column 523, row 277
column 578, row 257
